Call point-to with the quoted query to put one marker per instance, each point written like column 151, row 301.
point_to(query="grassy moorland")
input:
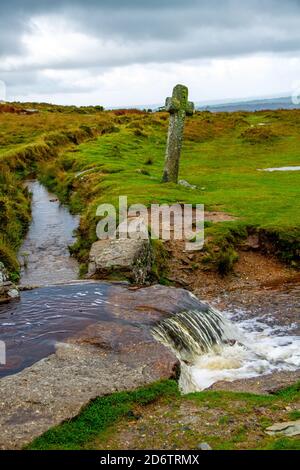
column 27, row 139
column 222, row 154
column 158, row 417
column 88, row 157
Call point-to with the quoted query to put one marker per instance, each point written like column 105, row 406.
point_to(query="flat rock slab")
column 106, row 356
column 289, row 428
column 56, row 388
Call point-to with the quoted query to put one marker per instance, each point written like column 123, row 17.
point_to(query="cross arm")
column 190, row 108
column 172, row 105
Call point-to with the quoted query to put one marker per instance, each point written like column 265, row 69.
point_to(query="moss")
column 159, row 269
column 83, row 270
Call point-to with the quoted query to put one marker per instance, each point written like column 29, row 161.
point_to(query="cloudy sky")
column 130, row 52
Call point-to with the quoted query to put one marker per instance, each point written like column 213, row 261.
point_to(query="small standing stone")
column 178, row 106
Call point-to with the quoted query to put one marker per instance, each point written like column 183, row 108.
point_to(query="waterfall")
column 193, row 333
column 211, row 348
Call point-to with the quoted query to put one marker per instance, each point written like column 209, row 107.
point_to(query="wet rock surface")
column 32, row 326
column 113, row 352
column 279, row 305
column 263, row 385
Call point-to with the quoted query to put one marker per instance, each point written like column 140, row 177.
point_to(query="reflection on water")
column 31, row 327
column 44, row 256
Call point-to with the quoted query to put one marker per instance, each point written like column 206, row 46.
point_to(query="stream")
column 44, row 255
column 266, row 328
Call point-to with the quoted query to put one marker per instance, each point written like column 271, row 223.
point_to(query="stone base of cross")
column 179, row 107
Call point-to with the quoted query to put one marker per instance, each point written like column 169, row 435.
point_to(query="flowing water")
column 44, row 255
column 259, row 338
column 32, row 326
column 212, row 346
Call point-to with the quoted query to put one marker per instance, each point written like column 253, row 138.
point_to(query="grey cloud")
column 159, row 20
column 155, row 30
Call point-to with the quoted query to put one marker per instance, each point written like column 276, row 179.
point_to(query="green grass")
column 216, row 158
column 294, row 415
column 284, row 444
column 99, row 415
column 221, row 155
column 98, row 422
column 25, row 142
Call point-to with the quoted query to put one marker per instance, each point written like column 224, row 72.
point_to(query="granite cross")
column 178, row 106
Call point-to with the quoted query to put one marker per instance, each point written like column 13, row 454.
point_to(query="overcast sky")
column 130, row 52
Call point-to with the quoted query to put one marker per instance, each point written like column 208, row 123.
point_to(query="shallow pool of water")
column 282, row 168
column 32, row 326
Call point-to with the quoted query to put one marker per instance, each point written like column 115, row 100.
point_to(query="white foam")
column 260, row 349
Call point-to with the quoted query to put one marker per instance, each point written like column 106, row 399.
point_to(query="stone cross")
column 178, row 106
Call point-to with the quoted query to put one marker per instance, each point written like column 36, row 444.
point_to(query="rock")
column 268, row 384
column 13, row 293
column 289, row 428
column 132, row 258
column 252, row 243
column 204, row 446
column 186, row 184
column 111, row 354
column 8, row 291
column 3, row 274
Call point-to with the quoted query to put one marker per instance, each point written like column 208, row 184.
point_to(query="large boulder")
column 8, row 291
column 129, row 258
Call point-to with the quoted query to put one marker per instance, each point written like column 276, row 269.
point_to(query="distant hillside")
column 251, row 105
